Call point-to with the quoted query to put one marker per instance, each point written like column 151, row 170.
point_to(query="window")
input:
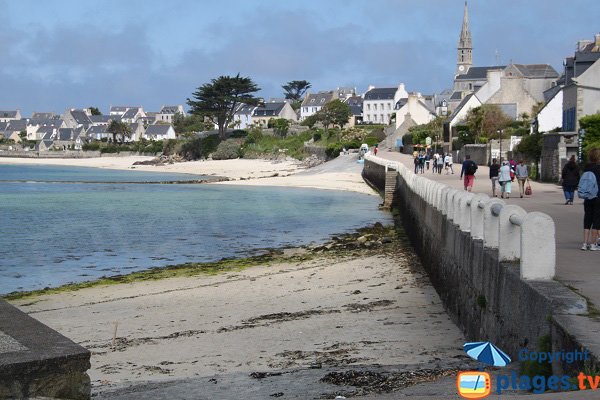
column 389, row 106
column 368, row 107
column 375, row 107
column 374, row 117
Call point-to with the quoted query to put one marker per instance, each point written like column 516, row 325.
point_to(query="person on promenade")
column 421, row 162
column 469, row 167
column 494, row 170
column 427, row 160
column 570, row 179
column 375, row 150
column 448, row 163
column 522, row 173
column 434, row 162
column 505, row 180
column 416, row 162
column 591, row 203
column 440, row 164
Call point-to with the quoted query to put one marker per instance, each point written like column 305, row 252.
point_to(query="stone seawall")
column 488, row 299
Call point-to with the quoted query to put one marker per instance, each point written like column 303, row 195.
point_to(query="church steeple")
column 465, row 46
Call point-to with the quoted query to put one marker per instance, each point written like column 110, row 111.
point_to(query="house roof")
column 536, row 70
column 104, row 119
column 268, row 110
column 381, row 94
column 42, row 115
column 8, row 114
column 317, row 99
column 478, row 73
column 460, row 106
column 3, row 125
column 131, row 113
column 456, row 95
column 158, row 130
column 17, row 125
column 80, row 117
column 97, row 129
column 550, row 93
column 245, row 109
column 169, row 110
column 66, row 134
column 119, row 108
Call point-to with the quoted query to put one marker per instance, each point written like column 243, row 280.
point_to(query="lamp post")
column 500, row 132
column 580, row 138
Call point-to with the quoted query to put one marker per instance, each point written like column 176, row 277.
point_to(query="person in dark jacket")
column 570, row 179
column 494, row 169
column 591, row 207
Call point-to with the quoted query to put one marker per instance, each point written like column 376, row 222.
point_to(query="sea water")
column 52, row 232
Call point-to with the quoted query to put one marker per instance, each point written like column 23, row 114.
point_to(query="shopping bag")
column 528, row 191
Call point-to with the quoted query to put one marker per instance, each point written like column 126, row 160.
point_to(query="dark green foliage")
column 295, row 90
column 281, row 126
column 239, row 133
column 227, row 150
column 254, row 136
column 531, row 146
column 119, row 128
column 217, row 100
column 190, row 124
column 95, row 111
column 335, row 112
column 591, row 124
column 420, row 132
column 198, row 148
column 317, row 136
column 310, row 121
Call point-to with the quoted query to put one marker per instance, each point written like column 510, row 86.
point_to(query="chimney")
column 597, row 39
column 371, row 87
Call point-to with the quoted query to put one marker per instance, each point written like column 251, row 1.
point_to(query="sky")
column 60, row 54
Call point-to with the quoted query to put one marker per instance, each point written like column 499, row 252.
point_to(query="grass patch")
column 292, row 145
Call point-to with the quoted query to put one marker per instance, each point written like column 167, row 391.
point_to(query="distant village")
column 562, row 99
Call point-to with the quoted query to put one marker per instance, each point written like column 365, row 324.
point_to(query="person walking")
column 570, row 179
column 448, row 163
column 494, row 171
column 416, row 162
column 440, row 163
column 522, row 173
column 588, row 190
column 375, row 150
column 421, row 162
column 427, row 160
column 505, row 180
column 469, row 167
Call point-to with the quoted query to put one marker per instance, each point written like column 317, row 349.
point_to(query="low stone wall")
column 36, row 361
column 493, row 276
column 69, row 154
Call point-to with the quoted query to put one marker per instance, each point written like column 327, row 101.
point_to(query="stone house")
column 356, row 107
column 581, row 97
column 410, row 112
column 74, row 118
column 133, row 115
column 263, row 113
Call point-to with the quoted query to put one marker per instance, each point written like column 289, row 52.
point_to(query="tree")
column 591, row 124
column 295, row 90
column 95, row 111
column 280, row 126
column 310, row 121
column 531, row 146
column 218, row 100
column 335, row 112
column 119, row 128
column 486, row 120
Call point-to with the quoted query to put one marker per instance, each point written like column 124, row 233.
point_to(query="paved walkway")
column 574, row 267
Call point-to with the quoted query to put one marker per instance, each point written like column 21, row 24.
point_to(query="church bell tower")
column 465, row 46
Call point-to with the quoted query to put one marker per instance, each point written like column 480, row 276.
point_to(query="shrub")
column 254, row 136
column 371, row 141
column 239, row 133
column 227, row 150
column 199, row 147
column 317, row 136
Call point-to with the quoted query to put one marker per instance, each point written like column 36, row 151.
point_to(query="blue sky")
column 59, row 54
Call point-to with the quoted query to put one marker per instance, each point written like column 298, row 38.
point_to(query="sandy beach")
column 343, row 173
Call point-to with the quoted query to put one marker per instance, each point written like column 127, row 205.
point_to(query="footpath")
column 577, row 269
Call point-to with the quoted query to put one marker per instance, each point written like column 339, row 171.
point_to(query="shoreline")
column 349, row 304
column 341, row 173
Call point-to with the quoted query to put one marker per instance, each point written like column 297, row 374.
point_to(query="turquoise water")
column 53, row 233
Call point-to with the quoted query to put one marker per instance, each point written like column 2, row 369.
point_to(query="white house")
column 263, row 113
column 582, row 96
column 159, row 132
column 380, row 103
column 551, row 116
column 242, row 118
column 6, row 116
column 414, row 107
column 167, row 113
column 313, row 103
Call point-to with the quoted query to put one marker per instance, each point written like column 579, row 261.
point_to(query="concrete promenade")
column 578, row 269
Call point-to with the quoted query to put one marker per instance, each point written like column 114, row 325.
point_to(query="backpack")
column 588, row 186
column 471, row 168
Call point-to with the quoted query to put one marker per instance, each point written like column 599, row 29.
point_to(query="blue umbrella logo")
column 487, row 353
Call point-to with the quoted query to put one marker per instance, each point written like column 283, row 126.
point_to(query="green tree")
column 295, row 90
column 190, row 124
column 486, row 120
column 281, row 126
column 591, row 124
column 95, row 111
column 335, row 112
column 218, row 100
column 119, row 128
column 531, row 146
column 310, row 121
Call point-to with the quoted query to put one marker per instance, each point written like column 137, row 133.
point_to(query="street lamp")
column 500, row 132
column 580, row 138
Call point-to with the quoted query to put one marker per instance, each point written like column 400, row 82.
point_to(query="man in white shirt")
column 448, row 163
